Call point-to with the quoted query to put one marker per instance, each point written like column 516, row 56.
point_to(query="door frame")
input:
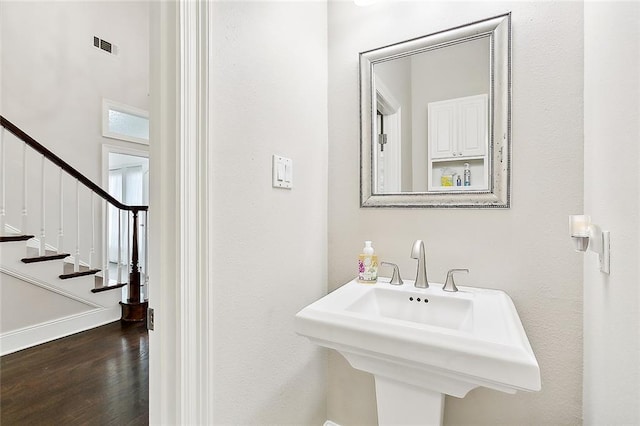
column 180, row 230
column 117, row 149
column 391, row 110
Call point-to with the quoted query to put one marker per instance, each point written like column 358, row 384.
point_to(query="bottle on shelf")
column 446, row 178
column 467, row 175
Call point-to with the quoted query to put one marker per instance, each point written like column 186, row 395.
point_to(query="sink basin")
column 455, row 313
column 423, row 343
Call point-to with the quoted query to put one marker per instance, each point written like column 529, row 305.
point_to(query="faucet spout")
column 417, row 252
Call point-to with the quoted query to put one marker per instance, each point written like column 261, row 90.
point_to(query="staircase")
column 48, row 293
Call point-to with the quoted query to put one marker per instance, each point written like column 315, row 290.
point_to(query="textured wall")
column 612, row 198
column 524, row 251
column 269, row 97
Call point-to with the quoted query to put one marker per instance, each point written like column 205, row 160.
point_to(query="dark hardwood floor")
column 98, row 377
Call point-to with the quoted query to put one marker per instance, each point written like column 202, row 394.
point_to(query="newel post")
column 133, row 309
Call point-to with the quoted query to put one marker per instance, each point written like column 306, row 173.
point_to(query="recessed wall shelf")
column 448, row 160
column 455, row 166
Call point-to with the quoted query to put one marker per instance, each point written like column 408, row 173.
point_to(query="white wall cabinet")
column 458, row 127
column 458, row 135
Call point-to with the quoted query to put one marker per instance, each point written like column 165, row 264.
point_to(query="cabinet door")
column 442, row 129
column 472, row 126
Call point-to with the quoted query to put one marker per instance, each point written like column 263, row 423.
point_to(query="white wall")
column 53, row 79
column 612, row 198
column 43, row 305
column 523, row 250
column 269, row 97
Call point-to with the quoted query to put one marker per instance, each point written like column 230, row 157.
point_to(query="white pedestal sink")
column 421, row 344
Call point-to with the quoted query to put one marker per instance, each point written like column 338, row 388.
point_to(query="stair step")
column 79, row 274
column 17, row 237
column 107, row 287
column 44, row 258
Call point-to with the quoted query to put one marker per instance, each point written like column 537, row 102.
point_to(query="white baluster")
column 42, row 211
column 119, row 245
column 105, row 244
column 23, row 225
column 92, row 250
column 76, row 260
column 61, row 224
column 3, row 218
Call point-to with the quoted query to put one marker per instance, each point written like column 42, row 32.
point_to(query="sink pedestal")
column 404, row 404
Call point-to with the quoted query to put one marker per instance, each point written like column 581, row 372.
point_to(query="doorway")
column 126, row 177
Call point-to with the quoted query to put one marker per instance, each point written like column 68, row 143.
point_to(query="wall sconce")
column 587, row 235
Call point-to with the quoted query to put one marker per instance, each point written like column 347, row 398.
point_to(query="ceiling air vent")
column 104, row 45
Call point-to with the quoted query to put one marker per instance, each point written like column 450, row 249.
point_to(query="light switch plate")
column 282, row 172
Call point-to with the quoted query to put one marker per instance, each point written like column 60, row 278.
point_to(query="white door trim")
column 180, row 380
column 117, row 149
column 195, row 329
column 163, row 122
column 391, row 163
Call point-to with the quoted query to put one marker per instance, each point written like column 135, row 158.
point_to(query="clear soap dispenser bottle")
column 367, row 264
column 467, row 175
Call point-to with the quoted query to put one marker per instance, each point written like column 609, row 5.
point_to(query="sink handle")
column 450, row 284
column 395, row 277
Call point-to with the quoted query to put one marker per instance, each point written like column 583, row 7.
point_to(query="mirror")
column 436, row 119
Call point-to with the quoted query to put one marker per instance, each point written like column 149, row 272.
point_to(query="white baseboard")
column 27, row 337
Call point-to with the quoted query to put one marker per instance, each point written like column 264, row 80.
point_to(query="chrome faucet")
column 396, row 279
column 417, row 252
column 450, row 283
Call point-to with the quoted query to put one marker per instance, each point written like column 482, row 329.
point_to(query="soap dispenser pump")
column 367, row 264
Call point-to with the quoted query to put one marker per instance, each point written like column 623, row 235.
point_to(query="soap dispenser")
column 367, row 264
column 467, row 175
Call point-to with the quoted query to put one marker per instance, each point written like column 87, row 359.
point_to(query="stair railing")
column 134, row 309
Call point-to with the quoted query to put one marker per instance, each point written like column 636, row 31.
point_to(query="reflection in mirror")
column 431, row 111
column 448, row 90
